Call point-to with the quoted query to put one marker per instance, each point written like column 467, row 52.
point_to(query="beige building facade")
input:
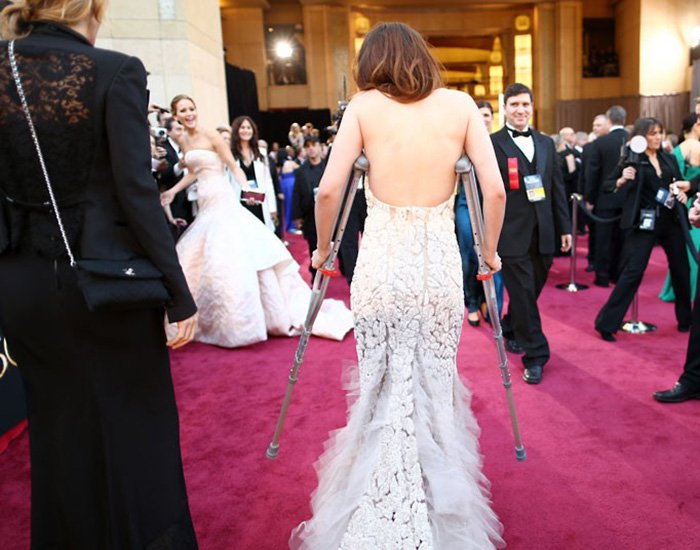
column 555, row 46
column 181, row 45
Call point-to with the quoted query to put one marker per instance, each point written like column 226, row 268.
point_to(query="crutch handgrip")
column 330, row 272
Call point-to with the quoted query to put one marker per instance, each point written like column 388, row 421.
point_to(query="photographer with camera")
column 173, row 169
column 651, row 213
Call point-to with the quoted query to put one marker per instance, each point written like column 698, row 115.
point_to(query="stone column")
column 180, row 43
column 569, row 48
column 244, row 35
column 545, row 67
column 328, row 47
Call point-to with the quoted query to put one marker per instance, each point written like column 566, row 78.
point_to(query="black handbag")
column 107, row 285
column 121, row 284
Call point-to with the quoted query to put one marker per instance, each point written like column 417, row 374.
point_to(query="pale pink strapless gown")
column 243, row 279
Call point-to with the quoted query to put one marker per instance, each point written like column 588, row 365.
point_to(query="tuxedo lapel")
column 541, row 152
column 509, row 148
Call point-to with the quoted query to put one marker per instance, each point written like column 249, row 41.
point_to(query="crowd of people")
column 613, row 186
column 211, row 220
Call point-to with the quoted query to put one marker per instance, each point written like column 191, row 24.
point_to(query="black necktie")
column 517, row 133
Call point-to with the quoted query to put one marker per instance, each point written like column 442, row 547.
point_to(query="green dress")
column 667, row 294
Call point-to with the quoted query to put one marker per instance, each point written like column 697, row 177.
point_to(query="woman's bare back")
column 412, row 147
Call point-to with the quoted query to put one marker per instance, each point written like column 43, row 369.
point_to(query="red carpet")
column 607, row 467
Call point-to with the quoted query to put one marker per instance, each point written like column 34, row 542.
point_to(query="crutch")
column 465, row 174
column 318, row 291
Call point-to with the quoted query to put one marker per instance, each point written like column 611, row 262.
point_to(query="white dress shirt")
column 525, row 144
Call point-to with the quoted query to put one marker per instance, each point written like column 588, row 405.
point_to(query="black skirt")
column 106, row 469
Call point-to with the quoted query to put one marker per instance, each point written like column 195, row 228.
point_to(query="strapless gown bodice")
column 243, row 279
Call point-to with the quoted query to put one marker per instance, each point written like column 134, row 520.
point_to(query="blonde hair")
column 177, row 99
column 16, row 19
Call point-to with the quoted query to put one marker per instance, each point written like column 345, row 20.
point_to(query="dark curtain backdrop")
column 273, row 125
column 669, row 109
column 242, row 93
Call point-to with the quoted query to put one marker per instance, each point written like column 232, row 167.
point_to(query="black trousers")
column 691, row 370
column 312, row 241
column 350, row 245
column 104, row 440
column 638, row 247
column 608, row 246
column 525, row 277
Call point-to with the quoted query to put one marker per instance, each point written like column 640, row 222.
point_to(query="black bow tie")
column 517, row 133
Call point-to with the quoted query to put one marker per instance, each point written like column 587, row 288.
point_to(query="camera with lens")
column 630, row 152
column 161, row 135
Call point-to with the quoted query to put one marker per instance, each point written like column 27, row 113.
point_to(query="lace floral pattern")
column 406, row 472
column 60, row 92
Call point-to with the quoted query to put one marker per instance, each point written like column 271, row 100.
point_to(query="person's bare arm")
column 225, row 154
column 166, row 197
column 479, row 149
column 346, row 148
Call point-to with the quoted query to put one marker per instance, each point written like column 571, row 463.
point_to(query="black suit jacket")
column 98, row 156
column 181, row 206
column 522, row 216
column 571, row 179
column 602, row 158
column 304, row 200
column 631, row 193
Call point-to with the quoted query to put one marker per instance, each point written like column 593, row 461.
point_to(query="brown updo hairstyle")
column 177, row 99
column 236, row 148
column 16, row 20
column 395, row 60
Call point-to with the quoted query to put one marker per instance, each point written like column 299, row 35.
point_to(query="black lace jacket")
column 89, row 109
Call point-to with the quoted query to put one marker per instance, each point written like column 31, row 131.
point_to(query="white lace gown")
column 405, row 473
column 243, row 279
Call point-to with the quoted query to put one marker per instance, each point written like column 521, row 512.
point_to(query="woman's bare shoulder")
column 454, row 97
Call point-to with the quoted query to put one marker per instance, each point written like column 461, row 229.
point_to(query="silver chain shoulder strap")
column 32, row 130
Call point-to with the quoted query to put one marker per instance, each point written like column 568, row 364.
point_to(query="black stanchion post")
column 572, row 285
column 634, row 325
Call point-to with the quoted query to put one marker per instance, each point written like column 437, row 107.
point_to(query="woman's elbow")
column 496, row 195
column 323, row 196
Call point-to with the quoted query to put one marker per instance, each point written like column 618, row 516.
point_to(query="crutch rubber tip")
column 272, row 451
column 520, row 453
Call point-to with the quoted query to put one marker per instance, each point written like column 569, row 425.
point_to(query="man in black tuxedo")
column 570, row 164
column 535, row 209
column 174, row 171
column 600, row 127
column 688, row 386
column 306, row 181
column 602, row 157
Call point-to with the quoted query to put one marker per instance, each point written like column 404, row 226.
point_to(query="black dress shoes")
column 601, row 282
column 683, row 328
column 513, row 346
column 676, row 394
column 607, row 336
column 533, row 374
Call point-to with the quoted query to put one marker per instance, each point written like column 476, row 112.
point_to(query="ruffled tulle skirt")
column 402, row 477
